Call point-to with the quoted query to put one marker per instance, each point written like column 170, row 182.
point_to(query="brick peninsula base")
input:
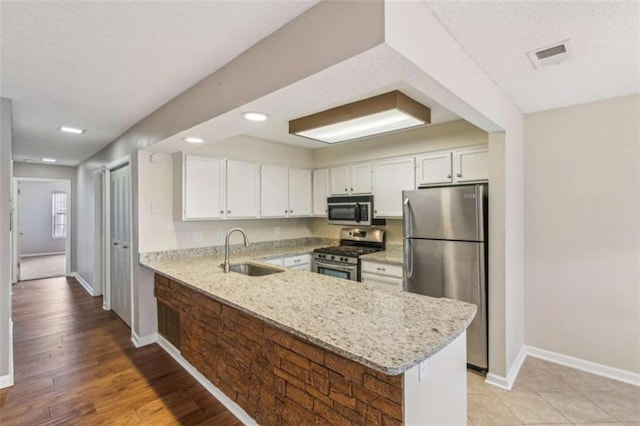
column 277, row 378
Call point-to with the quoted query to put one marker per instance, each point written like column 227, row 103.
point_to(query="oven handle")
column 339, row 268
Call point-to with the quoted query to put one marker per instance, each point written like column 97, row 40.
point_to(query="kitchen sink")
column 253, row 270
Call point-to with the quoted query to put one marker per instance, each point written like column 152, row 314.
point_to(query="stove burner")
column 353, row 251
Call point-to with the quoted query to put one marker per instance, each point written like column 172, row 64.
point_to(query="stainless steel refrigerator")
column 445, row 252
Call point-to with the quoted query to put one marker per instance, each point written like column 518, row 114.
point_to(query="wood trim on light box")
column 361, row 108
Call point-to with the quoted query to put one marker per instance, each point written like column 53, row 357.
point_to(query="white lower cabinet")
column 382, row 275
column 301, row 262
column 277, row 261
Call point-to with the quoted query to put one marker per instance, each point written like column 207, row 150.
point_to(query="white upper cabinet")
column 202, row 188
column 299, row 192
column 471, row 164
column 361, row 178
column 274, row 194
column 340, row 180
column 433, row 168
column 351, row 179
column 242, row 189
column 320, row 191
column 458, row 166
column 391, row 177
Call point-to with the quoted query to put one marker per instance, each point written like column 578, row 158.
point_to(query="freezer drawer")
column 452, row 269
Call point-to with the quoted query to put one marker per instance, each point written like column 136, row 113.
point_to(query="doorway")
column 41, row 245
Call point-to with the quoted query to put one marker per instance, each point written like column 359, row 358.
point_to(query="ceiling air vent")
column 551, row 55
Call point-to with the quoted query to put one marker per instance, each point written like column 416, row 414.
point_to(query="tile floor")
column 547, row 393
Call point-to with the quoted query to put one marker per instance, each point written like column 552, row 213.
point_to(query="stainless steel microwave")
column 355, row 210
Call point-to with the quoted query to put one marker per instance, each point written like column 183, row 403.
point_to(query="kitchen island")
column 302, row 348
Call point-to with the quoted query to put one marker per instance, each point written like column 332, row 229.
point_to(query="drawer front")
column 277, row 261
column 382, row 282
column 382, row 269
column 297, row 260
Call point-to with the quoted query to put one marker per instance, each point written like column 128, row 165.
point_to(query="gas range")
column 343, row 261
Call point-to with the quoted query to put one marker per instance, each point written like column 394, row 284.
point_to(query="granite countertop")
column 392, row 255
column 387, row 331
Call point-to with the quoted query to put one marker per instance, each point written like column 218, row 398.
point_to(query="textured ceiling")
column 498, row 34
column 103, row 66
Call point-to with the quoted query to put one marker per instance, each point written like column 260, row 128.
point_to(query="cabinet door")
column 471, row 164
column 390, row 178
column 203, row 183
column 274, row 194
column 277, row 261
column 434, row 168
column 340, row 180
column 383, row 282
column 299, row 192
column 242, row 189
column 361, row 178
column 320, row 192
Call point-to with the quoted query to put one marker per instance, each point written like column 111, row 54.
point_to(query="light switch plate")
column 423, row 370
column 196, row 237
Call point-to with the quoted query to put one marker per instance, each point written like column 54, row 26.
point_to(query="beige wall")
column 161, row 231
column 455, row 134
column 582, row 196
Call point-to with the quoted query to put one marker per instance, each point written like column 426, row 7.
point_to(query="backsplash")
column 235, row 248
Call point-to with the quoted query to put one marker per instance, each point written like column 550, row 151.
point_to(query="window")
column 59, row 215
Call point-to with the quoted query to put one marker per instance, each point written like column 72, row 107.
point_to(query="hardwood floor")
column 75, row 364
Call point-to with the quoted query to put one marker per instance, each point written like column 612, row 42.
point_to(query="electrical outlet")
column 155, row 209
column 423, row 370
column 196, row 237
column 219, row 236
column 277, row 230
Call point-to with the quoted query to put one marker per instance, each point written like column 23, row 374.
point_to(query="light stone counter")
column 387, row 332
column 392, row 255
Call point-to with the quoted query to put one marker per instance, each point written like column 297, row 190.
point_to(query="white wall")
column 582, row 199
column 6, row 346
column 161, row 231
column 36, row 217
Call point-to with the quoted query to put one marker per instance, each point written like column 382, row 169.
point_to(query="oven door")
column 349, row 213
column 347, row 272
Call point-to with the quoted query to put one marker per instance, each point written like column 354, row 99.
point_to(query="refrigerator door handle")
column 408, row 262
column 406, row 216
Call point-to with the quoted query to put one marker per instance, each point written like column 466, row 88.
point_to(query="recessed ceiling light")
column 192, row 139
column 255, row 116
column 48, row 160
column 73, row 130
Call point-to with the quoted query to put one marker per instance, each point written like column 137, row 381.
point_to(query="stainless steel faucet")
column 226, row 246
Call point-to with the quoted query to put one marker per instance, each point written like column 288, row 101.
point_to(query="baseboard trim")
column 82, row 282
column 507, row 382
column 143, row 341
column 584, row 365
column 7, row 380
column 54, row 253
column 213, row 390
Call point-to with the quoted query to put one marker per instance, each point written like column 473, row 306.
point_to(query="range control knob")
column 333, row 257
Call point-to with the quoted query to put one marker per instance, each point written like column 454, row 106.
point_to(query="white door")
column 361, row 178
column 242, row 189
column 434, row 168
column 299, row 192
column 391, row 177
column 203, row 188
column 471, row 164
column 121, row 242
column 340, row 180
column 274, row 192
column 320, row 192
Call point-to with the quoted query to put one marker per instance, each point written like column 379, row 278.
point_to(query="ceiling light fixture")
column 255, row 116
column 48, row 160
column 73, row 130
column 192, row 139
column 385, row 113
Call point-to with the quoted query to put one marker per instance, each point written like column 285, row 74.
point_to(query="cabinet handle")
column 296, row 261
column 290, row 211
column 346, row 190
column 459, row 174
column 326, row 211
column 449, row 176
column 228, row 211
column 351, row 189
column 221, row 211
column 286, row 211
column 375, row 211
column 381, row 269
